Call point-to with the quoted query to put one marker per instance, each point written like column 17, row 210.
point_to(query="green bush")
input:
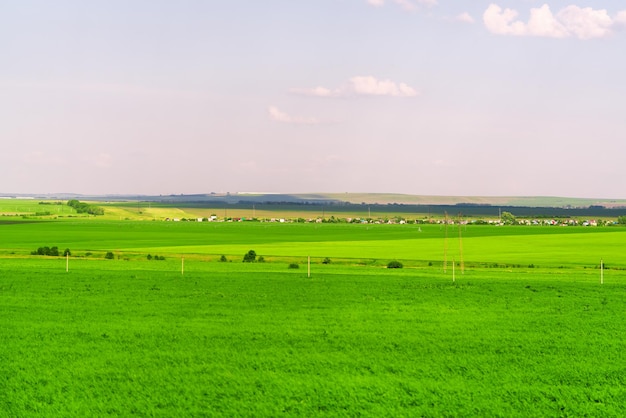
column 223, row 259
column 109, row 256
column 326, row 261
column 249, row 257
column 294, row 266
column 395, row 264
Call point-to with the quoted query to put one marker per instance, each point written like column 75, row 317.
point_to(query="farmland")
column 525, row 329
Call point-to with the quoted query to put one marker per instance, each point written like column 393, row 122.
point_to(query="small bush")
column 326, row 261
column 149, row 257
column 109, row 256
column 261, row 259
column 67, row 252
column 395, row 264
column 294, row 266
column 223, row 259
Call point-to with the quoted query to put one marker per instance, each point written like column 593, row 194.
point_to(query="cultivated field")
column 525, row 329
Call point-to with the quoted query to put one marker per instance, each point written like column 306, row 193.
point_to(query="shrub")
column 249, row 257
column 294, row 266
column 109, row 256
column 223, row 259
column 149, row 257
column 395, row 264
column 261, row 259
column 326, row 261
column 67, row 252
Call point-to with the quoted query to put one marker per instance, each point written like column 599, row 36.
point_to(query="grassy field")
column 232, row 339
column 417, row 244
column 525, row 330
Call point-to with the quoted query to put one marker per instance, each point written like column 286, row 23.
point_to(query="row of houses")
column 401, row 221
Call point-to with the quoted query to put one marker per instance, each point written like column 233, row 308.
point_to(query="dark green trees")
column 249, row 257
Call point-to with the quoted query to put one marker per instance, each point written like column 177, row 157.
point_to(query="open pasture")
column 420, row 244
column 26, row 207
column 133, row 336
column 126, row 338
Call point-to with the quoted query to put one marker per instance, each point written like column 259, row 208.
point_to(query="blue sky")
column 431, row 97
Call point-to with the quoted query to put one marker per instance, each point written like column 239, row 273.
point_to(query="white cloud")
column 502, row 22
column 408, row 5
column 586, row 23
column 280, row 116
column 464, row 17
column 376, row 3
column 582, row 23
column 543, row 23
column 361, row 86
column 368, row 85
column 316, row 91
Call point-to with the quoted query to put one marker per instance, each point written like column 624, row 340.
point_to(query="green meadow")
column 477, row 245
column 522, row 328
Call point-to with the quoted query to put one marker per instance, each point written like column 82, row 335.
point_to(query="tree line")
column 82, row 207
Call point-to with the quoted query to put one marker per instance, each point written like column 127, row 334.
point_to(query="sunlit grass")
column 139, row 338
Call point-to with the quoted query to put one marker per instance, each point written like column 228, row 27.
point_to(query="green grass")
column 233, row 339
column 480, row 245
column 133, row 336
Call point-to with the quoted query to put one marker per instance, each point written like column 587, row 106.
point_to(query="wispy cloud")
column 571, row 21
column 464, row 18
column 408, row 5
column 280, row 116
column 361, row 86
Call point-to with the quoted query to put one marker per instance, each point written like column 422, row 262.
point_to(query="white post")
column 453, row 276
column 309, row 267
column 601, row 271
column 67, row 262
column 182, row 265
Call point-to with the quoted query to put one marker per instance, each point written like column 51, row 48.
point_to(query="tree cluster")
column 82, row 207
column 156, row 257
column 50, row 251
column 250, row 257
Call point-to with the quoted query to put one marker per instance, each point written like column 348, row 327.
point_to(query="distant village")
column 402, row 220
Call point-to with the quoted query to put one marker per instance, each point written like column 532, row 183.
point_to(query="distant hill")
column 403, row 199
column 352, row 198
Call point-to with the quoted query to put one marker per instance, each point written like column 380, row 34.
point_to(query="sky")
column 424, row 97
